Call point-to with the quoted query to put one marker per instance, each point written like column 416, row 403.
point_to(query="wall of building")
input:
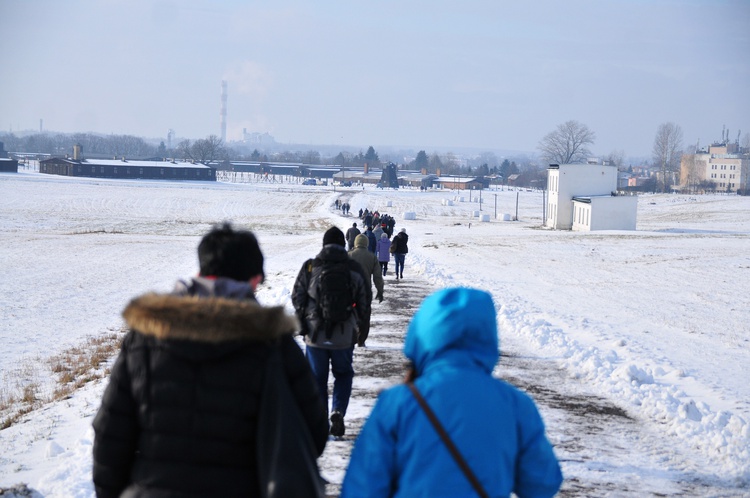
column 614, row 212
column 575, row 180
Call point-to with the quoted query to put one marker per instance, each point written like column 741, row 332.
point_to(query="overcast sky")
column 429, row 74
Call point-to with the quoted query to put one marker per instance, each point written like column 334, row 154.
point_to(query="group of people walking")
column 186, row 411
column 379, row 243
column 343, row 206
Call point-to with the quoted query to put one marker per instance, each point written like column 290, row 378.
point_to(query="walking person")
column 383, row 251
column 330, row 300
column 372, row 241
column 351, row 234
column 180, row 414
column 497, row 432
column 400, row 249
column 369, row 263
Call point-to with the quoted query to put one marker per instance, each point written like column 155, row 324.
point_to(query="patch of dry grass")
column 22, row 391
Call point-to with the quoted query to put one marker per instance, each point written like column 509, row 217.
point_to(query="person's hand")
column 379, row 296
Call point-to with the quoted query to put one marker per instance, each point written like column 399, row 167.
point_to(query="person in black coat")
column 400, row 249
column 179, row 416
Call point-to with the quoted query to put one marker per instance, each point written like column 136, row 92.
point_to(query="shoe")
column 402, row 276
column 337, row 424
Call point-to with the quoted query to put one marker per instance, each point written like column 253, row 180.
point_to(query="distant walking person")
column 330, row 300
column 452, row 342
column 372, row 241
column 351, row 234
column 400, row 241
column 179, row 416
column 383, row 252
column 369, row 263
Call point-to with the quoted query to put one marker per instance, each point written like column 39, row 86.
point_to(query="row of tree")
column 568, row 144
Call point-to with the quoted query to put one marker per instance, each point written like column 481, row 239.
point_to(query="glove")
column 379, row 296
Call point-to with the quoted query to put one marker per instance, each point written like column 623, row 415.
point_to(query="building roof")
column 135, row 164
column 456, row 179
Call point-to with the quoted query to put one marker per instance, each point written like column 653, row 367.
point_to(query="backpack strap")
column 455, row 453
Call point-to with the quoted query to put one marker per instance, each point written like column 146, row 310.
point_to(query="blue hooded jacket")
column 453, row 345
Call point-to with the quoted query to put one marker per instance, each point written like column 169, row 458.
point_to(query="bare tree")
column 208, row 149
column 667, row 152
column 567, row 144
column 616, row 158
column 692, row 171
column 184, row 150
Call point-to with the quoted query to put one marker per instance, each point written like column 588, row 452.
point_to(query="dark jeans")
column 383, row 267
column 400, row 258
column 343, row 373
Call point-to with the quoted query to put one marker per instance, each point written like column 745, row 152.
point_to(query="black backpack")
column 335, row 303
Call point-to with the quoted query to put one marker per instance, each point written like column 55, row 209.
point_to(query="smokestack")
column 41, row 123
column 367, row 168
column 223, row 111
column 77, row 149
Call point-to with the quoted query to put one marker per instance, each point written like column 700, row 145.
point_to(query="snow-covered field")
column 656, row 320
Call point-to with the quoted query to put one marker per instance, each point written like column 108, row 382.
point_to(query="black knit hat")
column 334, row 236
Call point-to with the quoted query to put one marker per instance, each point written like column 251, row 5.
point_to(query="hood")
column 455, row 325
column 361, row 241
column 206, row 320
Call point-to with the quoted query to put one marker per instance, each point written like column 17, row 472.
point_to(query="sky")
column 488, row 75
column 650, row 322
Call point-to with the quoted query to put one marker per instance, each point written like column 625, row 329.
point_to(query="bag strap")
column 448, row 441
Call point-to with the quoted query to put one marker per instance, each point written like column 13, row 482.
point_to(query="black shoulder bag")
column 448, row 441
column 287, row 459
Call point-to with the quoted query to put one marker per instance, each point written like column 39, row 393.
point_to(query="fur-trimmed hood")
column 207, row 320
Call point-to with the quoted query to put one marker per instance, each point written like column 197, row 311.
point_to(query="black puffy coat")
column 401, row 241
column 179, row 415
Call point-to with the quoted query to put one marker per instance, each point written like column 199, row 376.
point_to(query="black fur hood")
column 207, row 319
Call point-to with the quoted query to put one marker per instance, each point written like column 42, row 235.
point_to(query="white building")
column 583, row 197
column 724, row 167
column 604, row 212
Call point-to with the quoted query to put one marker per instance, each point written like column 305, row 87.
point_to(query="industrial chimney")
column 77, row 152
column 223, row 111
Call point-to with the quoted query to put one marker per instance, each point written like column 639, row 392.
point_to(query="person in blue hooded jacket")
column 452, row 343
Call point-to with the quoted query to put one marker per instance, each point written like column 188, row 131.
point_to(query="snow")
column 654, row 320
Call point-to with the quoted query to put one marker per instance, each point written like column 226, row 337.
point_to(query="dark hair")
column 225, row 252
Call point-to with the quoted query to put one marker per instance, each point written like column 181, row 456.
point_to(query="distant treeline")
column 62, row 143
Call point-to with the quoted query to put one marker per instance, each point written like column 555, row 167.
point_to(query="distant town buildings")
column 724, row 167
